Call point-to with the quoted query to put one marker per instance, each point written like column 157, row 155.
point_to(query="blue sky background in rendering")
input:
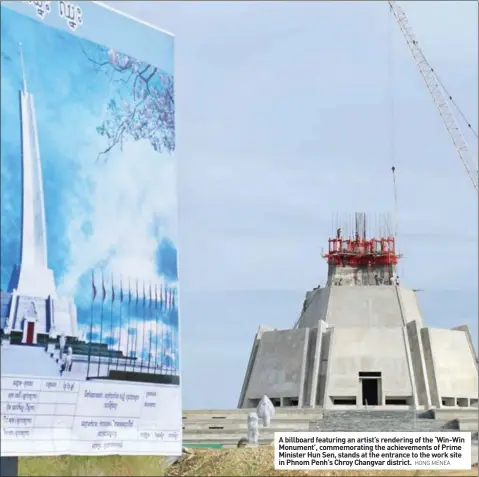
column 108, row 164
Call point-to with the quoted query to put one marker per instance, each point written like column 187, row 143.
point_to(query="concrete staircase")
column 467, row 419
column 28, row 360
column 363, row 420
column 227, row 427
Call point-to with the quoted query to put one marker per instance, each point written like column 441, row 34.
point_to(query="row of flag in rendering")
column 143, row 343
column 158, row 296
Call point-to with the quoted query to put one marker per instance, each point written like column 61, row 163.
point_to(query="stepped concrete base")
column 219, row 414
column 235, row 426
column 382, row 421
column 446, row 414
column 226, row 426
column 469, row 425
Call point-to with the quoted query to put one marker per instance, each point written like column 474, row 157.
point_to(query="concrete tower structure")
column 34, row 306
column 361, row 341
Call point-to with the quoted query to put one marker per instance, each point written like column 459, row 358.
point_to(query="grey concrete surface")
column 277, row 369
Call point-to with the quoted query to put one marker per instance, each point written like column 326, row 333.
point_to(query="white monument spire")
column 35, row 279
column 32, row 285
column 24, row 77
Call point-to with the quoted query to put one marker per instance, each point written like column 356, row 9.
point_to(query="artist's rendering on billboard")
column 89, row 278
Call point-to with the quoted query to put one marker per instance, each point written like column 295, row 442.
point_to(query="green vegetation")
column 204, row 446
column 76, row 466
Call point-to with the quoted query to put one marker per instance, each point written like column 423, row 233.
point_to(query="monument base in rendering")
column 33, row 316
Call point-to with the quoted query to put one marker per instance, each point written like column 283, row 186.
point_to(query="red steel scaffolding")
column 362, row 252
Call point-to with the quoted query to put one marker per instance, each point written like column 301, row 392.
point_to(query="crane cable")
column 463, row 116
column 393, row 169
column 392, row 125
column 441, row 84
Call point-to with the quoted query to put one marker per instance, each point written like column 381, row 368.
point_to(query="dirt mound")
column 248, row 461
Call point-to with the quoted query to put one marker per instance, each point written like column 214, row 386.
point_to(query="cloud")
column 137, row 201
column 143, row 339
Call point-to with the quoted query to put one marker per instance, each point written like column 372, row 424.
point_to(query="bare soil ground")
column 259, row 461
column 198, row 462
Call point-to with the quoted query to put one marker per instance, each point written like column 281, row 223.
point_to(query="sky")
column 291, row 112
column 92, row 203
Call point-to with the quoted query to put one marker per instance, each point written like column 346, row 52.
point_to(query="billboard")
column 89, row 279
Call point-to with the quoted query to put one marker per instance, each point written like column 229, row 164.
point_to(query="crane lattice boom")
column 434, row 87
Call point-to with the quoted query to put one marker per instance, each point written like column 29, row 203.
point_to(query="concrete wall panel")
column 430, row 367
column 277, row 368
column 252, row 357
column 410, row 306
column 455, row 365
column 315, row 308
column 364, row 307
column 418, row 363
column 374, row 349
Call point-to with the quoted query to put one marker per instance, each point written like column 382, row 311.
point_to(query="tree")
column 144, row 106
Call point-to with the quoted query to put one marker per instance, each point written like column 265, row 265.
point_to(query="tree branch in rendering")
column 143, row 106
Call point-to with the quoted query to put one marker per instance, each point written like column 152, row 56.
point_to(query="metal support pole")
column 9, row 466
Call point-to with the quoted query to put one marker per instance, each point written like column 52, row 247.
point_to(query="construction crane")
column 438, row 94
